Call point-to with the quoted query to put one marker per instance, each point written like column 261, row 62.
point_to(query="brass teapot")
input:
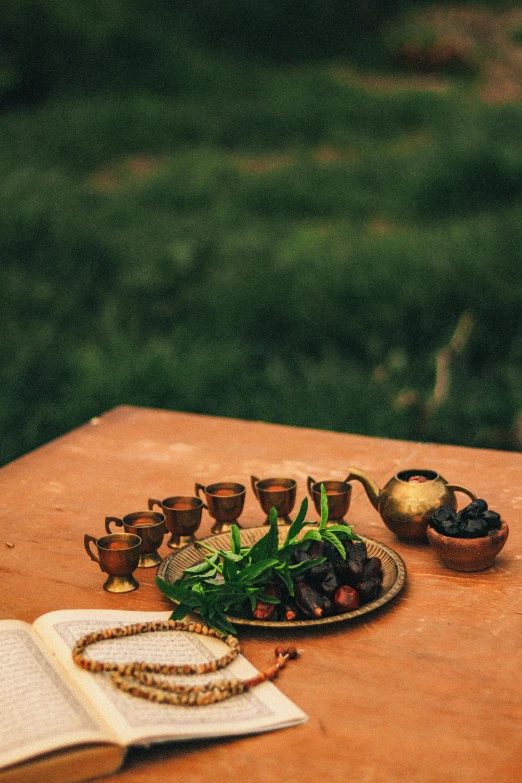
column 407, row 502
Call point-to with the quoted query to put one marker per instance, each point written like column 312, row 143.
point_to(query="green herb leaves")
column 230, row 582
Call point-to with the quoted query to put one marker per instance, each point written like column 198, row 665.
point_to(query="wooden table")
column 428, row 689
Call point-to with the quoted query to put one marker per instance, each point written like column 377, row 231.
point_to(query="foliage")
column 201, row 231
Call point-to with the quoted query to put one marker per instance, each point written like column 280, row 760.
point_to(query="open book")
column 61, row 723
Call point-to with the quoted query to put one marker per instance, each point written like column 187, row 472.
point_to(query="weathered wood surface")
column 428, row 690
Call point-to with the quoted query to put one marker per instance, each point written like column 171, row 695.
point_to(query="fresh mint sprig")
column 230, row 582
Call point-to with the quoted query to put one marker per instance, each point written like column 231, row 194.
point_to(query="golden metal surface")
column 338, row 496
column 278, row 493
column 121, row 584
column 225, row 501
column 394, row 576
column 149, row 526
column 118, row 556
column 182, row 518
column 406, row 507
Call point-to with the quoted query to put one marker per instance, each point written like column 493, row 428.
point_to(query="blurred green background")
column 301, row 212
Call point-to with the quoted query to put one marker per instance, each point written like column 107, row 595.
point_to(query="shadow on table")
column 138, row 756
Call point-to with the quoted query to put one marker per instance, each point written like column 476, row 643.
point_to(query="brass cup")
column 225, row 501
column 182, row 518
column 150, row 527
column 278, row 493
column 118, row 556
column 338, row 496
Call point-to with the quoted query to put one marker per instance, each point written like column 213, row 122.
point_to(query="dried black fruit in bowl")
column 448, row 528
column 476, row 509
column 492, row 520
column 289, row 610
column 320, row 572
column 331, row 553
column 356, row 551
column 473, row 521
column 316, row 549
column 443, row 514
column 328, row 606
column 473, row 528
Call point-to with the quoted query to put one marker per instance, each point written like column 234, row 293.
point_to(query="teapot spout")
column 372, row 490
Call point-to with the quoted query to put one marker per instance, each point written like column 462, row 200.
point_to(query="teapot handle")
column 458, row 488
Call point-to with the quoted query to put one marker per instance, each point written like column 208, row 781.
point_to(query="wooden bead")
column 137, row 677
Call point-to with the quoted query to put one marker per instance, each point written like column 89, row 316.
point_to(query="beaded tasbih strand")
column 137, row 678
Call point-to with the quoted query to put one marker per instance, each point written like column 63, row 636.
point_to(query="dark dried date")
column 369, row 589
column 372, row 569
column 336, row 586
column 346, row 599
column 263, row 611
column 309, row 601
column 289, row 610
column 348, row 572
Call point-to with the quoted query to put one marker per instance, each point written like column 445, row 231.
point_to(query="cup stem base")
column 223, row 527
column 149, row 560
column 121, row 584
column 178, row 542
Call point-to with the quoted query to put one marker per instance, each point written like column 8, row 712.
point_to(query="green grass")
column 261, row 240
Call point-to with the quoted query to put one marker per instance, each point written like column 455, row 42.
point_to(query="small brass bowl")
column 468, row 554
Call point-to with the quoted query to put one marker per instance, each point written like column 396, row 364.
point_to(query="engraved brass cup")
column 338, row 496
column 182, row 518
column 225, row 501
column 118, row 556
column 149, row 526
column 278, row 493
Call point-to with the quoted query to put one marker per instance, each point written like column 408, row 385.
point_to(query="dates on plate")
column 335, row 586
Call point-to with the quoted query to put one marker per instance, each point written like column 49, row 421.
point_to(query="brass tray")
column 394, row 575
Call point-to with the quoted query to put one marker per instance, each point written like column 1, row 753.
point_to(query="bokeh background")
column 302, row 212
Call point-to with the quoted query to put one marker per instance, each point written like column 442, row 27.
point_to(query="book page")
column 39, row 712
column 136, row 720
